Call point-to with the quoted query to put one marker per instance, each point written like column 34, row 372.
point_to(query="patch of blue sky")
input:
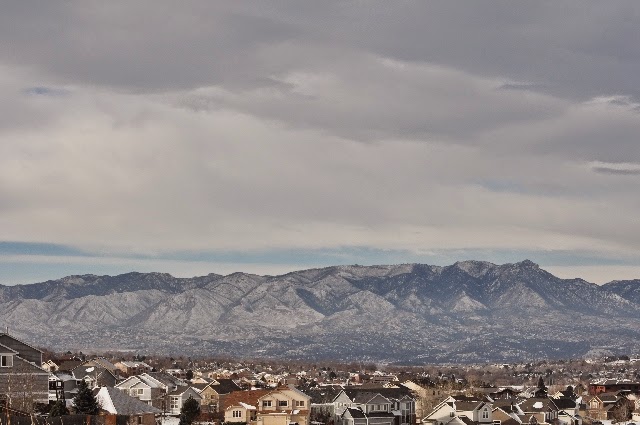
column 332, row 256
column 40, row 248
column 45, row 91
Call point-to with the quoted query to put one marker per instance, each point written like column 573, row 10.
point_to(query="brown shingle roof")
column 248, row 397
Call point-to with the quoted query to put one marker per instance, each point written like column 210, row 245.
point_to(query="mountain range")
column 471, row 311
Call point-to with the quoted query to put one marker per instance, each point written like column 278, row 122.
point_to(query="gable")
column 129, row 382
column 342, row 398
column 378, row 399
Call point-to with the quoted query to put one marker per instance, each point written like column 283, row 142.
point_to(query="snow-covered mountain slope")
column 469, row 311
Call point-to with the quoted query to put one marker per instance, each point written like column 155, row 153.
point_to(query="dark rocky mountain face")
column 410, row 313
column 627, row 289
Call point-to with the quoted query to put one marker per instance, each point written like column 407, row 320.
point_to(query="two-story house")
column 175, row 399
column 283, row 406
column 461, row 409
column 145, row 388
column 213, row 394
column 279, row 406
column 241, row 406
column 400, row 402
column 368, row 408
column 22, row 381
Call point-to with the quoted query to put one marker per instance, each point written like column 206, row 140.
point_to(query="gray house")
column 22, row 381
column 393, row 406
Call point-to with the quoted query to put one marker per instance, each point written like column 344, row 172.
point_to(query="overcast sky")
column 265, row 136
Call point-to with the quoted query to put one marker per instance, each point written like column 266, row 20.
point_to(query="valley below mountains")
column 470, row 311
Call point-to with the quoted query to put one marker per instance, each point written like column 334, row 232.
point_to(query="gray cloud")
column 159, row 126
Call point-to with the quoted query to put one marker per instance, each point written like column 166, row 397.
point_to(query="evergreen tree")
column 190, row 411
column 59, row 408
column 84, row 401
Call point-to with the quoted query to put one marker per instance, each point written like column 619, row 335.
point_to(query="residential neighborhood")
column 155, row 390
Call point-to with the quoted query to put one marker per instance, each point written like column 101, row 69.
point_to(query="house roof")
column 466, row 420
column 8, row 350
column 69, row 365
column 225, row 386
column 565, row 403
column 3, row 335
column 322, row 395
column 355, row 413
column 538, row 404
column 117, row 402
column 183, row 389
column 166, row 378
column 468, row 405
column 608, row 397
column 102, row 362
column 394, row 393
column 246, row 397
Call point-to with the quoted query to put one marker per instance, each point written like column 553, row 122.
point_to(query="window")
column 6, row 361
column 140, row 391
column 266, row 403
column 283, row 403
column 299, row 403
column 237, row 413
column 485, row 414
column 174, row 403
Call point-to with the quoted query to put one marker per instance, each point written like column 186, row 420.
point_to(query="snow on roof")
column 247, row 406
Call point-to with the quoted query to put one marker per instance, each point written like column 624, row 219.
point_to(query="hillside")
column 410, row 313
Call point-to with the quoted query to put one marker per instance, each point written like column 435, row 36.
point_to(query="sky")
column 200, row 137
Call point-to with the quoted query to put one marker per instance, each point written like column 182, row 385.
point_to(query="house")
column 62, row 385
column 145, row 388
column 214, row 393
column 506, row 414
column 369, row 408
column 133, row 368
column 322, row 396
column 241, row 406
column 283, row 406
column 175, row 399
column 117, row 402
column 50, row 366
column 613, row 385
column 95, row 374
column 22, row 381
column 543, row 409
column 279, row 406
column 461, row 409
column 400, row 402
column 503, row 394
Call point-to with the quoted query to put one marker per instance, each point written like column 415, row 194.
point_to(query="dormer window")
column 6, row 360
